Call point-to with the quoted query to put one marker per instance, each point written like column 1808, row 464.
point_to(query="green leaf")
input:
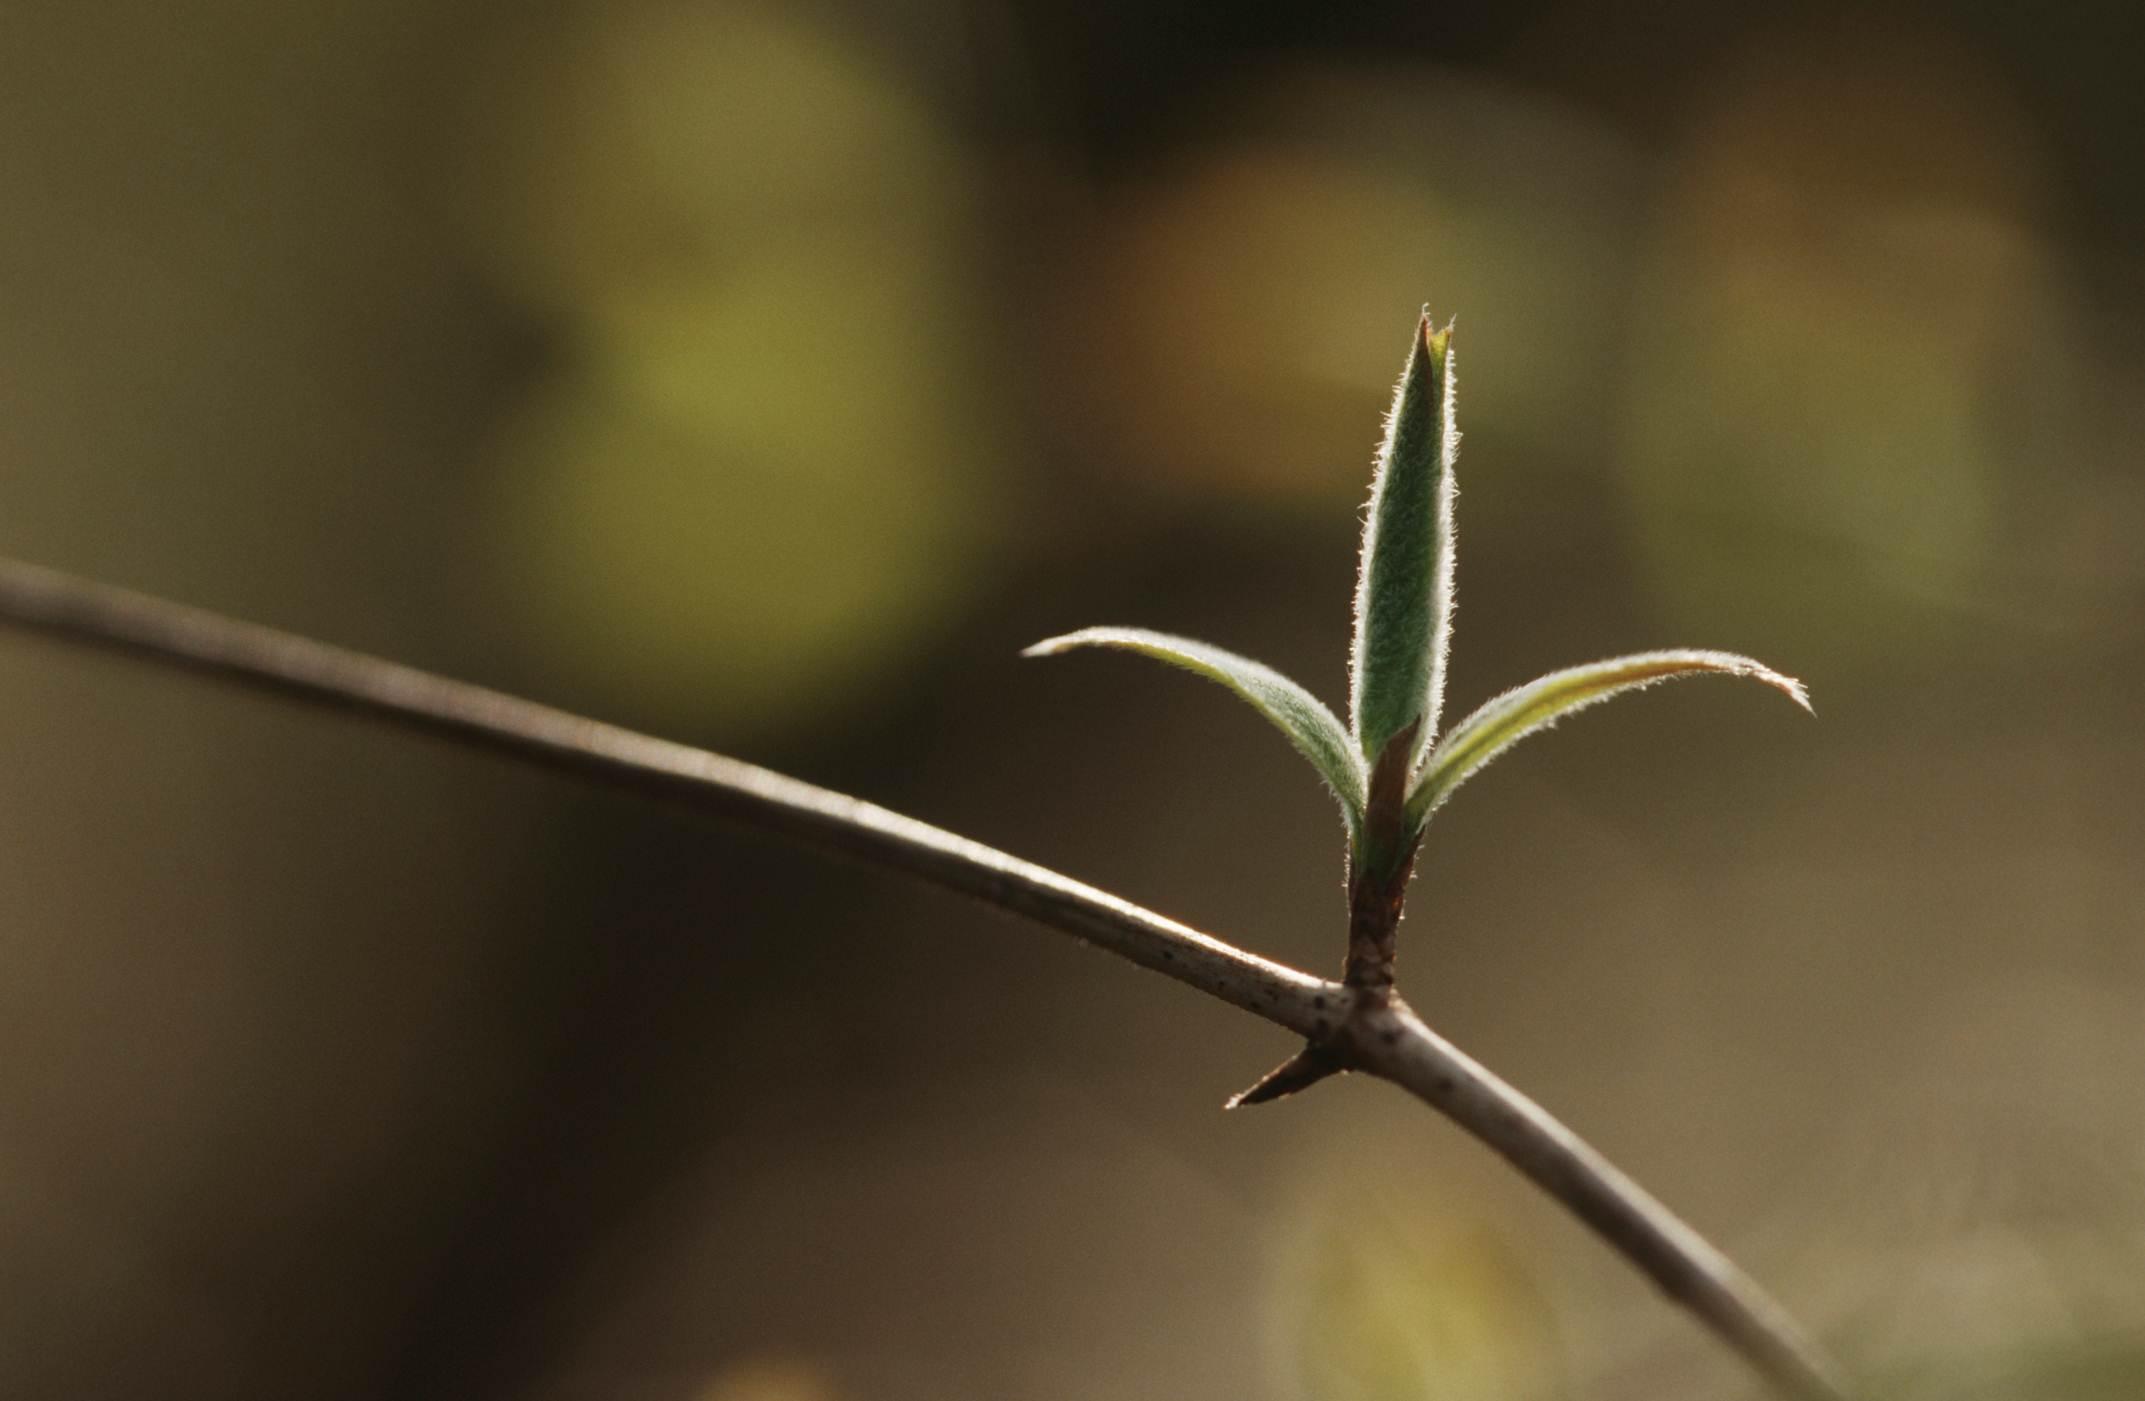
column 1511, row 717
column 1404, row 590
column 1310, row 726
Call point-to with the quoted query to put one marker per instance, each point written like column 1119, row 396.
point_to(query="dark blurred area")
column 767, row 376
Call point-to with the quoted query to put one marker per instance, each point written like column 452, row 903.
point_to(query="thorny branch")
column 1345, row 1028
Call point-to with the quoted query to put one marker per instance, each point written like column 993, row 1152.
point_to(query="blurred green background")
column 767, row 376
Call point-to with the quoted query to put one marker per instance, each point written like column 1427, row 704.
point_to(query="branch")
column 1380, row 1036
column 80, row 610
column 1393, row 1044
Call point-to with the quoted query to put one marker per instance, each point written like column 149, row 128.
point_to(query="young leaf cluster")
column 1389, row 766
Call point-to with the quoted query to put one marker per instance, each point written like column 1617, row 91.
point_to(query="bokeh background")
column 767, row 376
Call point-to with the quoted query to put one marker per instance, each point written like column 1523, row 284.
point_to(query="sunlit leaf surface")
column 1507, row 719
column 1404, row 593
column 1314, row 730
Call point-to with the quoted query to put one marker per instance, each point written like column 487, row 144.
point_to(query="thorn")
column 1299, row 1072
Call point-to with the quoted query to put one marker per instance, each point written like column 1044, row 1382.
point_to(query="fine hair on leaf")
column 1315, row 731
column 1505, row 720
column 1404, row 585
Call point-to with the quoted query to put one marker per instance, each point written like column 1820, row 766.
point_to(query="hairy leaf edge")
column 1505, row 720
column 1429, row 372
column 1308, row 724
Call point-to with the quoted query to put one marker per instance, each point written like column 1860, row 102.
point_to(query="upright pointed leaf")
column 1511, row 717
column 1310, row 726
column 1404, row 589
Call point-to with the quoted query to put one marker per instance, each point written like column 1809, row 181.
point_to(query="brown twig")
column 1377, row 1034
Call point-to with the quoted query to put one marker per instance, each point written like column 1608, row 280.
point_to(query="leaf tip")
column 1051, row 646
column 1780, row 681
column 1437, row 341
